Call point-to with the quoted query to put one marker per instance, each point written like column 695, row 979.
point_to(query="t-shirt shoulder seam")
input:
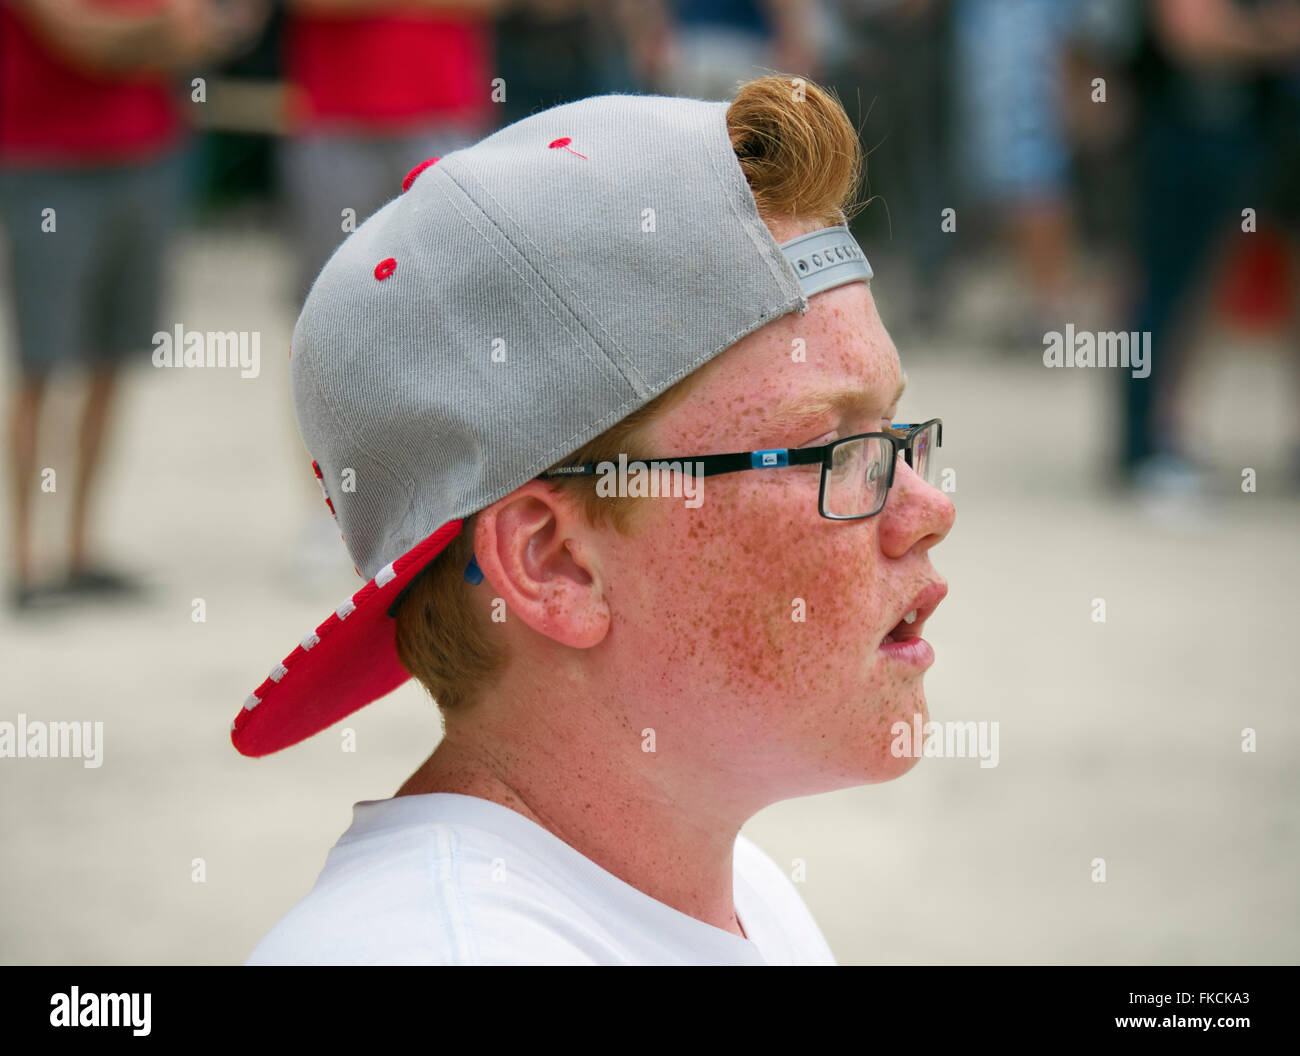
column 445, row 846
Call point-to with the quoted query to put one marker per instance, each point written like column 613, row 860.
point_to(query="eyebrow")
column 814, row 405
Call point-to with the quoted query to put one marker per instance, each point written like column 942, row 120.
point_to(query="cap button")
column 410, row 176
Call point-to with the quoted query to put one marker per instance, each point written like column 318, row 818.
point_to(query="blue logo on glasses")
column 777, row 457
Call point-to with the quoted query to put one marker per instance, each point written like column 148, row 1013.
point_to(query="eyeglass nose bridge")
column 903, row 445
column 899, row 444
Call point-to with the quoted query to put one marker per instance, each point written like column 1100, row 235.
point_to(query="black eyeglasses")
column 856, row 471
column 874, row 453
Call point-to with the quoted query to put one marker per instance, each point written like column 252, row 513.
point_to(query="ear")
column 542, row 559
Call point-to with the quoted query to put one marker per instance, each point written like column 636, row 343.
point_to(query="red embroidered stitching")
column 564, row 142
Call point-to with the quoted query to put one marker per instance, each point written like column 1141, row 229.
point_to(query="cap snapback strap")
column 827, row 258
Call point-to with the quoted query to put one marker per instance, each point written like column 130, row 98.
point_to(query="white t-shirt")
column 443, row 878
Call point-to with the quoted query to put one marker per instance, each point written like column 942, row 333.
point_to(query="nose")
column 915, row 513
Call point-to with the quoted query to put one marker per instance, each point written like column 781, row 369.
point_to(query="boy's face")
column 703, row 599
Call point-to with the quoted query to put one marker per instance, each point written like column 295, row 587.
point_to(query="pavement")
column 1119, row 741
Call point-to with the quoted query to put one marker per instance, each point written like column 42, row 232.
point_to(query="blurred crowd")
column 1160, row 137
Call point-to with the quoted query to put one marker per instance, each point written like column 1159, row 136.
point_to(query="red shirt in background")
column 388, row 73
column 55, row 112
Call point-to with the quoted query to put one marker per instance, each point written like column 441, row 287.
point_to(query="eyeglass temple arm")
column 712, row 465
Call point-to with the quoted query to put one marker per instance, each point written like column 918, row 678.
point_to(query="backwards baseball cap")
column 518, row 298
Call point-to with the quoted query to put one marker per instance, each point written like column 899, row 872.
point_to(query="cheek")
column 705, row 612
column 774, row 604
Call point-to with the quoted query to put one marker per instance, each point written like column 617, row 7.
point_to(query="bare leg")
column 89, row 453
column 1041, row 232
column 25, row 417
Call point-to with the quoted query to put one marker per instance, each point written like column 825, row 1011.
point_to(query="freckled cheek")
column 767, row 593
column 835, row 575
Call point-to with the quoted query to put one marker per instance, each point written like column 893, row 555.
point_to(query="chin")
column 888, row 766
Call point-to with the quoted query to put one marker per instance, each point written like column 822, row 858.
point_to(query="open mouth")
column 902, row 630
column 909, row 628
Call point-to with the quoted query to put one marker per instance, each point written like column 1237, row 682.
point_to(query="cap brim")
column 347, row 662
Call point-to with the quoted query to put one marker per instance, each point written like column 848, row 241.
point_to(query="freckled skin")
column 797, row 707
column 684, row 627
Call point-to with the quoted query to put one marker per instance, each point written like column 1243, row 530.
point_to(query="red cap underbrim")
column 347, row 662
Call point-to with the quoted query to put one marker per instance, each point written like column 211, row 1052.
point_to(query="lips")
column 923, row 604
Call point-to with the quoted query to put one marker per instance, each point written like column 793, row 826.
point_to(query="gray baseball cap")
column 514, row 301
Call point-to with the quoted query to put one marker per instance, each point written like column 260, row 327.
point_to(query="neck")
column 644, row 837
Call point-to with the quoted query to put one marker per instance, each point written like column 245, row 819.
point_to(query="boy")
column 624, row 680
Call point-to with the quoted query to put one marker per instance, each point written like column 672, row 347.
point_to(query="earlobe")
column 536, row 553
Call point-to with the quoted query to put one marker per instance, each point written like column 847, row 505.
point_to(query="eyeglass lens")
column 858, row 479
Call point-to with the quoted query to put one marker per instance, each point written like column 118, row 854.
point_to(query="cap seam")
column 312, row 377
column 763, row 241
column 636, row 383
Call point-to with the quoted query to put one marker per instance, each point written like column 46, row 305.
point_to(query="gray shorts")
column 322, row 175
column 88, row 292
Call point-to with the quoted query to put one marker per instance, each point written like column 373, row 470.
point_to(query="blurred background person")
column 1282, row 189
column 712, row 44
column 890, row 66
column 1209, row 74
column 550, row 52
column 91, row 178
column 375, row 87
column 1013, row 155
